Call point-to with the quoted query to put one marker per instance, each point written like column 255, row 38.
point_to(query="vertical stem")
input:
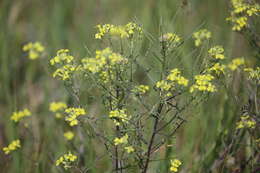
column 159, row 110
column 164, row 59
column 131, row 61
column 117, row 127
column 116, row 152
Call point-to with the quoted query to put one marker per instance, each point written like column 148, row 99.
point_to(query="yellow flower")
column 69, row 135
column 118, row 116
column 246, row 122
column 175, row 164
column 129, row 149
column 175, row 76
column 104, row 64
column 122, row 140
column 203, row 83
column 14, row 145
column 73, row 114
column 65, row 72
column 200, row 36
column 34, row 49
column 65, row 65
column 66, row 160
column 253, row 74
column 125, row 31
column 57, row 106
column 62, row 56
column 236, row 63
column 141, row 89
column 217, row 68
column 163, row 85
column 241, row 11
column 17, row 116
column 171, row 38
column 217, row 52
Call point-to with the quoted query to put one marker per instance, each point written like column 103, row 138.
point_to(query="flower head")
column 175, row 164
column 14, row 145
column 73, row 114
column 237, row 62
column 129, row 149
column 34, row 49
column 217, row 52
column 69, row 135
column 119, row 116
column 122, row 140
column 141, row 89
column 200, row 36
column 66, row 160
column 17, row 116
column 217, row 68
column 203, row 83
column 125, row 31
column 246, row 122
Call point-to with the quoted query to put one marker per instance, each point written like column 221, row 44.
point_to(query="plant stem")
column 156, row 121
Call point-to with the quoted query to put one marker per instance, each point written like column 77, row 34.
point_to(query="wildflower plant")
column 136, row 117
column 130, row 95
column 134, row 120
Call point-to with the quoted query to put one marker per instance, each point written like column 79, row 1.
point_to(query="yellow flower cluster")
column 65, row 62
column 241, row 11
column 203, row 83
column 14, row 145
column 119, row 116
column 57, row 108
column 163, row 85
column 235, row 63
column 125, row 31
column 253, row 74
column 141, row 89
column 69, row 135
column 66, row 160
column 103, row 63
column 17, row 116
column 62, row 56
column 217, row 52
column 102, row 58
column 200, row 36
column 34, row 50
column 129, row 149
column 73, row 114
column 171, row 38
column 246, row 122
column 174, row 78
column 123, row 141
column 217, row 68
column 175, row 164
column 65, row 72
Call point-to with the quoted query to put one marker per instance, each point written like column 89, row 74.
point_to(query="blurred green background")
column 71, row 24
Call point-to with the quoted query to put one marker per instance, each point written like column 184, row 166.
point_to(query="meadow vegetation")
column 130, row 86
